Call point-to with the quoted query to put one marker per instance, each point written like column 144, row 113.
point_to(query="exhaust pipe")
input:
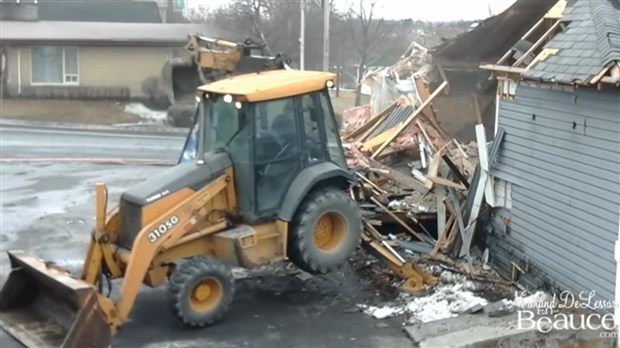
column 43, row 305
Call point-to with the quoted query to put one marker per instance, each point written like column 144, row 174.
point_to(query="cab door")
column 277, row 155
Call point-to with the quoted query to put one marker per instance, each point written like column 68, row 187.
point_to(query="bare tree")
column 367, row 32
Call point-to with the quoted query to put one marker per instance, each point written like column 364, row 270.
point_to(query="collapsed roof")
column 494, row 36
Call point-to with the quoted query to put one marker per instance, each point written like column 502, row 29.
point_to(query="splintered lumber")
column 379, row 171
column 538, row 43
column 433, row 167
column 393, row 216
column 454, row 207
column 440, row 194
column 422, row 178
column 445, row 182
column 372, row 184
column 443, row 236
column 399, row 178
column 456, row 171
column 428, row 139
column 373, row 122
column 379, row 139
column 429, row 112
column 409, row 119
column 477, row 108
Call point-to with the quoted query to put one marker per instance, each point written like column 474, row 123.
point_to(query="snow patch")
column 539, row 299
column 444, row 302
column 151, row 116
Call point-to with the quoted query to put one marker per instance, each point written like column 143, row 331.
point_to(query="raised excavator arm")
column 211, row 60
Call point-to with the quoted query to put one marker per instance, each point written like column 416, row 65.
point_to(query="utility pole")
column 326, row 13
column 302, row 34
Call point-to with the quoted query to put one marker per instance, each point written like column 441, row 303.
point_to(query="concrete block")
column 474, row 309
column 498, row 309
column 421, row 331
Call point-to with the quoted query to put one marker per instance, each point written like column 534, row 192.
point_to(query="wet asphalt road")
column 46, row 209
column 63, row 144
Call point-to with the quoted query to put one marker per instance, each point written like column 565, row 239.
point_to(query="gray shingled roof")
column 100, row 32
column 99, row 11
column 590, row 42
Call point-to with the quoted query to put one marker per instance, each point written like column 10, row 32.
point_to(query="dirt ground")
column 72, row 111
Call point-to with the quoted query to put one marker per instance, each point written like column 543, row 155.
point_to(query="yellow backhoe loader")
column 268, row 181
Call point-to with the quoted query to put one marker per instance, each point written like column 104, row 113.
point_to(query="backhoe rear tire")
column 325, row 231
column 200, row 291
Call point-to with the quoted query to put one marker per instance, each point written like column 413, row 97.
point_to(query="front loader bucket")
column 180, row 79
column 42, row 305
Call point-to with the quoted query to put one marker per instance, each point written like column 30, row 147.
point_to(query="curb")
column 121, row 127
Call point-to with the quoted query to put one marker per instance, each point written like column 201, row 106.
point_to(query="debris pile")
column 420, row 191
column 411, row 173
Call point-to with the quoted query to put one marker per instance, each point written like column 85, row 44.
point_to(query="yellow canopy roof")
column 271, row 84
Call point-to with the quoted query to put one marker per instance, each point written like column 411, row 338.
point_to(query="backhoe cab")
column 265, row 181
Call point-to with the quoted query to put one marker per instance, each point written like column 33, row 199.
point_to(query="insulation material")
column 383, row 91
column 354, row 118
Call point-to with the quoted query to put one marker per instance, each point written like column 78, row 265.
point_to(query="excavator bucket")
column 180, row 78
column 42, row 305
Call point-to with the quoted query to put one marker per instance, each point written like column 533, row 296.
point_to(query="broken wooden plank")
column 401, row 179
column 428, row 139
column 429, row 111
column 409, row 119
column 456, row 171
column 422, row 90
column 422, row 179
column 372, row 184
column 372, row 230
column 443, row 235
column 445, row 182
column 379, row 171
column 477, row 108
column 440, row 194
column 433, row 167
column 393, row 216
column 375, row 120
column 538, row 43
column 370, row 144
column 501, row 68
column 455, row 208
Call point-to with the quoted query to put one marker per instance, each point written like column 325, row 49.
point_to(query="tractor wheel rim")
column 329, row 231
column 206, row 294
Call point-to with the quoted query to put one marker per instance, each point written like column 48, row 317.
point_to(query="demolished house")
column 557, row 163
column 412, row 135
column 535, row 194
column 469, row 98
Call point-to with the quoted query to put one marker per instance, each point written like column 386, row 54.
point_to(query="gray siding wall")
column 561, row 152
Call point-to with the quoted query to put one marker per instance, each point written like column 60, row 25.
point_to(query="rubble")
column 421, row 193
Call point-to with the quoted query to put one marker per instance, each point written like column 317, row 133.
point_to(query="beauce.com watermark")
column 565, row 311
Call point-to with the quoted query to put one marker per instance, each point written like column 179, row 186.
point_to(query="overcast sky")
column 426, row 10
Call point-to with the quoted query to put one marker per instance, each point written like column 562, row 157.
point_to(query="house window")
column 54, row 65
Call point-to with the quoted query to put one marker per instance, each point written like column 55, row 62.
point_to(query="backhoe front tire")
column 200, row 291
column 325, row 231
